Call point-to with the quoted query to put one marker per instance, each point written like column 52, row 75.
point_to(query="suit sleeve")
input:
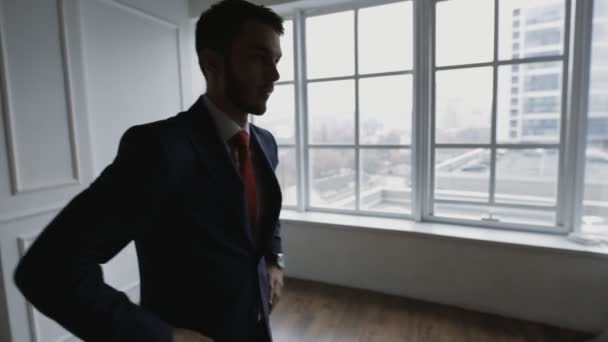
column 61, row 273
column 277, row 246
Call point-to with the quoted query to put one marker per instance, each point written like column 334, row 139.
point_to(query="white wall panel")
column 18, row 198
column 132, row 72
column 38, row 110
column 5, row 176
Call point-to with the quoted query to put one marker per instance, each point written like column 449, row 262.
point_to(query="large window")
column 595, row 201
column 466, row 121
column 496, row 131
column 359, row 108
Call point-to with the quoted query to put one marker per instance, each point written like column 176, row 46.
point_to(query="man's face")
column 250, row 71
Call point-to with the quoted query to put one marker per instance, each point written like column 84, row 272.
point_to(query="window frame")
column 303, row 146
column 290, row 17
column 577, row 128
column 574, row 97
column 494, row 146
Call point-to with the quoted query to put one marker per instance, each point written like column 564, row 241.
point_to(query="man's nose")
column 274, row 73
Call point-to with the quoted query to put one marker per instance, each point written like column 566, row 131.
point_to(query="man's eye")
column 264, row 59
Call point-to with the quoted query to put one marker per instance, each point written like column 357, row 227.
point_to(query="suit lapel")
column 212, row 152
column 272, row 201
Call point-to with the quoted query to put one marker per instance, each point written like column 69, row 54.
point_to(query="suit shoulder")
column 157, row 131
column 260, row 130
column 264, row 133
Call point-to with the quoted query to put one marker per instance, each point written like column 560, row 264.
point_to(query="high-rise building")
column 536, row 89
column 535, row 105
column 597, row 127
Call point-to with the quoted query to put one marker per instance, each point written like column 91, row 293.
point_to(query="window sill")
column 556, row 243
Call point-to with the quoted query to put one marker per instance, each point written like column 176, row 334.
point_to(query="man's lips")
column 267, row 90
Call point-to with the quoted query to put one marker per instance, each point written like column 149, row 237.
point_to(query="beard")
column 236, row 91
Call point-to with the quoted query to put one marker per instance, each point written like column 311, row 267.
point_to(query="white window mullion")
column 421, row 190
column 492, row 187
column 429, row 201
column 565, row 200
column 575, row 141
column 301, row 110
column 499, row 146
column 357, row 154
column 502, row 205
column 541, row 59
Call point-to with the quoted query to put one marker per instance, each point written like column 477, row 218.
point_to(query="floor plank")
column 317, row 312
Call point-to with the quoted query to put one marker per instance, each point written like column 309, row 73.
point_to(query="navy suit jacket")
column 174, row 191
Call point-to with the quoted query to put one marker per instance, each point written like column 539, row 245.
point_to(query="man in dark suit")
column 198, row 196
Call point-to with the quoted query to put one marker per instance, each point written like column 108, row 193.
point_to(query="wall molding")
column 26, row 214
column 17, row 186
column 142, row 13
column 24, row 242
column 180, row 76
column 7, row 108
column 69, row 88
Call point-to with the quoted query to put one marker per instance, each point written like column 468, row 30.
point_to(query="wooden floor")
column 316, row 312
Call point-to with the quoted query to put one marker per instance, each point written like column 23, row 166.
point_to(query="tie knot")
column 241, row 139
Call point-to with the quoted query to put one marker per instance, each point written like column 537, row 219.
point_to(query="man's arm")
column 275, row 273
column 61, row 273
column 277, row 246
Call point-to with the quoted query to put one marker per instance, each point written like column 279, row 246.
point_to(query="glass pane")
column 331, row 112
column 595, row 205
column 285, row 66
column 495, row 214
column 287, row 175
column 280, row 114
column 529, row 103
column 462, row 174
column 463, row 109
column 394, row 23
column 385, row 110
column 465, row 32
column 531, row 28
column 385, row 180
column 330, row 45
column 332, row 173
column 527, row 176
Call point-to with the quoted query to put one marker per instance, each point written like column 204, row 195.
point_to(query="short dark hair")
column 218, row 27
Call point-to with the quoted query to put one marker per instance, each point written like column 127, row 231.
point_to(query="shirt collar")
column 225, row 126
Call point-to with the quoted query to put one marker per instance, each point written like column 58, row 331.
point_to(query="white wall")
column 280, row 6
column 563, row 289
column 75, row 74
column 198, row 6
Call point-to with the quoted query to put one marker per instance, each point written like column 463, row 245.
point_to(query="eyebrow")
column 265, row 50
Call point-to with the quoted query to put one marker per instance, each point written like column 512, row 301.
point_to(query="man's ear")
column 211, row 61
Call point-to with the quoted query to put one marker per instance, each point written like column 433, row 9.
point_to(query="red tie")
column 241, row 141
